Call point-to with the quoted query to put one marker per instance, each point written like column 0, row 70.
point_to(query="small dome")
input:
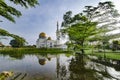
column 49, row 38
column 42, row 35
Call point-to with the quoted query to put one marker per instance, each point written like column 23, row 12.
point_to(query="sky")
column 43, row 18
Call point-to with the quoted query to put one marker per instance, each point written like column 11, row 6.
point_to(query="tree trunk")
column 82, row 50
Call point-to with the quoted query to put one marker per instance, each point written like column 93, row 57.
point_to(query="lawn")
column 109, row 54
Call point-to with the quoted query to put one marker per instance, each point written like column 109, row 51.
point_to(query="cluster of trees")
column 92, row 24
column 9, row 13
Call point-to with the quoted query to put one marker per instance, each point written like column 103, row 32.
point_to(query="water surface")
column 56, row 67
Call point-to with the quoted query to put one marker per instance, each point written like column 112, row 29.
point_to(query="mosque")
column 46, row 42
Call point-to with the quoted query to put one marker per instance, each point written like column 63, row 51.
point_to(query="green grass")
column 19, row 53
column 31, row 50
column 109, row 55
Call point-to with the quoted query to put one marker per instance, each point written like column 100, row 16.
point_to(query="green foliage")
column 78, row 28
column 115, row 45
column 26, row 3
column 17, row 41
column 4, row 33
column 8, row 12
column 92, row 24
column 106, row 16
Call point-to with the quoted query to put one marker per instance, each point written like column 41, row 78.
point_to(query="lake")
column 57, row 67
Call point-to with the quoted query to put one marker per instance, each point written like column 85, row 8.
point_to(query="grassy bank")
column 19, row 53
column 109, row 54
column 31, row 50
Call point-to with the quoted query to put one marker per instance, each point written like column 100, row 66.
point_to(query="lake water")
column 57, row 67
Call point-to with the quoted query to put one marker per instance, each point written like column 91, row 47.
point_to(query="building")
column 46, row 42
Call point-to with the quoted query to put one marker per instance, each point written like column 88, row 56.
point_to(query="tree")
column 106, row 16
column 17, row 38
column 78, row 28
column 92, row 24
column 4, row 33
column 115, row 45
column 14, row 43
column 8, row 12
column 17, row 41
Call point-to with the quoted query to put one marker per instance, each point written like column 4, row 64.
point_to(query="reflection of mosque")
column 45, row 42
column 79, row 68
column 43, row 59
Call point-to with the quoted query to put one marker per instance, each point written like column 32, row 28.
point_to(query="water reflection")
column 81, row 68
column 57, row 67
column 78, row 71
column 42, row 59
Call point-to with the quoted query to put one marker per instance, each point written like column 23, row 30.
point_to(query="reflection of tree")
column 13, row 54
column 78, row 71
column 17, row 56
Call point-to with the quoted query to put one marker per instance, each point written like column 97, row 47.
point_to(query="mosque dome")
column 42, row 35
column 49, row 38
column 42, row 61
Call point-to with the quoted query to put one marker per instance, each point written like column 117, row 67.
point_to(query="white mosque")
column 46, row 42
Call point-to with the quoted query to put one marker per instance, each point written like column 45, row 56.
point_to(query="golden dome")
column 42, row 35
column 49, row 38
column 42, row 61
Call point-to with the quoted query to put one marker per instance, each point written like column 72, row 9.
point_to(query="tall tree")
column 9, row 12
column 106, row 16
column 78, row 28
column 93, row 23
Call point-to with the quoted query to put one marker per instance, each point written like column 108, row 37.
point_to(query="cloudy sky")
column 44, row 18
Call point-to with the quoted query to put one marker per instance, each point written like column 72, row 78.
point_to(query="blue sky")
column 43, row 18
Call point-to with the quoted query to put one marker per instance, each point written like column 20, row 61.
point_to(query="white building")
column 47, row 42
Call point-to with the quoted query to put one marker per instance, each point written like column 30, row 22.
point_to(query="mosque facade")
column 46, row 42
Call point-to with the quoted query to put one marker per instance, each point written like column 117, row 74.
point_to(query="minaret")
column 58, row 34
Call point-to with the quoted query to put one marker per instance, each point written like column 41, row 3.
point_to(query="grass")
column 31, row 50
column 19, row 53
column 109, row 54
